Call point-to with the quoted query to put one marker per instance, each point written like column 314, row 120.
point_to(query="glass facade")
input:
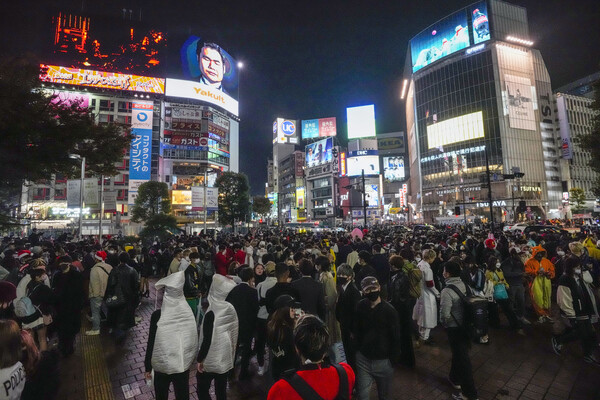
column 449, row 91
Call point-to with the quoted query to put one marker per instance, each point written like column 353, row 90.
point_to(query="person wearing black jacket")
column 282, row 273
column 311, row 292
column 68, row 287
column 123, row 280
column 514, row 271
column 193, row 281
column 348, row 298
column 381, row 266
column 244, row 299
column 364, row 268
column 377, row 334
column 401, row 300
column 343, row 252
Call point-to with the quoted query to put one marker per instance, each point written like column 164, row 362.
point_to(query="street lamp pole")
column 205, row 207
column 101, row 208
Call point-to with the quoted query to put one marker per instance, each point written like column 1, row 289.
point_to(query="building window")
column 124, row 106
column 107, row 105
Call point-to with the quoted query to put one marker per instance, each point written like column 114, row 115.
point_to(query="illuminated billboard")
column 315, row 128
column 101, row 80
column 361, row 121
column 480, row 27
column 181, row 197
column 141, row 147
column 285, row 131
column 210, row 65
column 455, row 130
column 393, row 169
column 319, row 153
column 441, row 39
column 300, row 197
column 369, row 163
column 197, row 91
column 372, row 195
column 519, row 102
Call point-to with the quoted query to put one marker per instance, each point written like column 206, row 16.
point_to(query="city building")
column 479, row 111
column 392, row 152
column 575, row 117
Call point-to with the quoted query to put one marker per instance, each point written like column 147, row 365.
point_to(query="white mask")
column 196, row 260
column 498, row 265
column 417, row 259
column 577, row 271
column 560, row 253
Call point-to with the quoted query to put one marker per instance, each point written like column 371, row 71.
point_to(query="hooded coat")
column 221, row 353
column 540, row 287
column 176, row 342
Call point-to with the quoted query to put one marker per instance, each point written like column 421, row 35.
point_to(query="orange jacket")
column 532, row 266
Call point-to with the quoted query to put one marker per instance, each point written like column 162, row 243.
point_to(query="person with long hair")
column 280, row 335
column 12, row 371
column 41, row 370
column 494, row 274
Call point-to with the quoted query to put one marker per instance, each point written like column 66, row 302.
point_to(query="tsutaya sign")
column 495, row 203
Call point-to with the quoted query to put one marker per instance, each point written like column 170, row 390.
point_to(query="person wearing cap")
column 514, row 272
column 282, row 273
column 68, row 287
column 263, row 315
column 377, row 335
column 97, row 288
column 315, row 377
column 22, row 284
column 280, row 335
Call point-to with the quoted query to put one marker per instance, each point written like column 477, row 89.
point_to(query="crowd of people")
column 326, row 314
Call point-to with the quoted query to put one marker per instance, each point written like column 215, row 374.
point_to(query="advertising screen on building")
column 480, row 23
column 101, row 80
column 207, row 63
column 198, row 91
column 361, row 121
column 315, row 128
column 141, row 146
column 285, row 131
column 372, row 195
column 181, row 197
column 300, row 197
column 519, row 102
column 455, row 130
column 441, row 39
column 319, row 153
column 393, row 169
column 369, row 163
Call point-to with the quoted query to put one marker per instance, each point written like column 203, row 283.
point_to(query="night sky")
column 309, row 59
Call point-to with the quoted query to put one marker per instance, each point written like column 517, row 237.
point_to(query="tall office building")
column 575, row 117
column 479, row 103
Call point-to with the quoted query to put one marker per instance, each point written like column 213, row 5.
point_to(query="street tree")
column 152, row 199
column 261, row 206
column 590, row 141
column 234, row 199
column 577, row 198
column 38, row 131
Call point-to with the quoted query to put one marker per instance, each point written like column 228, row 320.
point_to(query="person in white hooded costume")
column 172, row 341
column 218, row 339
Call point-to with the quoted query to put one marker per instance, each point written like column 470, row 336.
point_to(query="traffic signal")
column 457, row 210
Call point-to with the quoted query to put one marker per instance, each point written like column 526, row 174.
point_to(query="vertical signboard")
column 140, row 150
column 90, row 192
column 519, row 102
column 565, row 128
column 73, row 193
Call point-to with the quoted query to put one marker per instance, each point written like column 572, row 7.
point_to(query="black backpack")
column 306, row 392
column 399, row 290
column 475, row 315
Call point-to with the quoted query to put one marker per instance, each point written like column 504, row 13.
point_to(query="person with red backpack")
column 316, row 379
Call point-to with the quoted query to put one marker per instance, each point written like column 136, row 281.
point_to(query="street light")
column 78, row 157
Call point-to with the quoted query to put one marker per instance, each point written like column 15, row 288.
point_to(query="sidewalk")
column 510, row 367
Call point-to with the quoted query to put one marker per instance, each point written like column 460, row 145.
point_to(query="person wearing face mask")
column 514, row 272
column 377, row 335
column 495, row 275
column 185, row 260
column 348, row 298
column 193, row 281
column 68, row 288
column 425, row 310
column 577, row 309
column 540, row 271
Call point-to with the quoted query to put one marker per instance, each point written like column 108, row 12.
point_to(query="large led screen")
column 361, row 121
column 455, row 130
column 355, row 165
column 519, row 102
column 481, row 24
column 207, row 63
column 318, row 153
column 393, row 168
column 441, row 39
